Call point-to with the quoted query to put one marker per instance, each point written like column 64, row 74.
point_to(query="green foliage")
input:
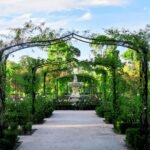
column 43, row 108
column 27, row 127
column 29, row 32
column 17, row 112
column 85, row 78
column 110, row 59
column 10, row 137
column 105, row 110
column 121, row 126
column 110, row 116
column 130, row 110
column 126, row 79
column 48, row 108
column 63, row 51
column 85, row 103
column 137, row 40
column 130, row 55
column 134, row 138
column 39, row 111
column 100, row 110
column 19, row 76
column 129, row 113
column 5, row 144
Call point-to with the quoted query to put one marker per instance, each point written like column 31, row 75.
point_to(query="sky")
column 92, row 15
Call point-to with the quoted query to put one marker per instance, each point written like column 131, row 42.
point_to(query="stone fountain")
column 75, row 86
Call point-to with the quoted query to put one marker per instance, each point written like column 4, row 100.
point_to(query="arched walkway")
column 110, row 144
column 73, row 130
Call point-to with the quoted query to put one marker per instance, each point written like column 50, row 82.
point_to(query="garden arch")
column 81, row 78
column 40, row 65
column 142, row 50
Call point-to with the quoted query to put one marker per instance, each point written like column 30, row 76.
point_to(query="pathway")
column 73, row 130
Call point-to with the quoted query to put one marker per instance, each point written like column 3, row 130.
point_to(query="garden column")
column 56, row 89
column 44, row 83
column 2, row 93
column 104, row 86
column 145, row 95
column 114, row 89
column 33, row 90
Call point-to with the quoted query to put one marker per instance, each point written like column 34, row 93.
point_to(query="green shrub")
column 11, row 116
column 84, row 103
column 25, row 113
column 17, row 112
column 121, row 126
column 134, row 138
column 20, row 130
column 109, row 117
column 10, row 137
column 100, row 111
column 5, row 144
column 27, row 128
column 48, row 108
column 39, row 110
column 13, row 125
column 130, row 109
column 38, row 116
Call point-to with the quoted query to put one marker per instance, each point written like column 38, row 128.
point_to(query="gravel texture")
column 73, row 130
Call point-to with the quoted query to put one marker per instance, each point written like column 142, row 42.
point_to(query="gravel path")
column 73, row 130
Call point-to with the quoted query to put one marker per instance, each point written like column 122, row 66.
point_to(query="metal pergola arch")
column 79, row 76
column 13, row 48
column 40, row 65
column 51, row 71
column 140, row 49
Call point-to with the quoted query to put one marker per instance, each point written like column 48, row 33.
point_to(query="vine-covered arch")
column 84, row 78
column 101, row 40
column 40, row 64
column 104, row 40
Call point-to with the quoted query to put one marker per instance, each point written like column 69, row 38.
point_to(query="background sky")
column 92, row 15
